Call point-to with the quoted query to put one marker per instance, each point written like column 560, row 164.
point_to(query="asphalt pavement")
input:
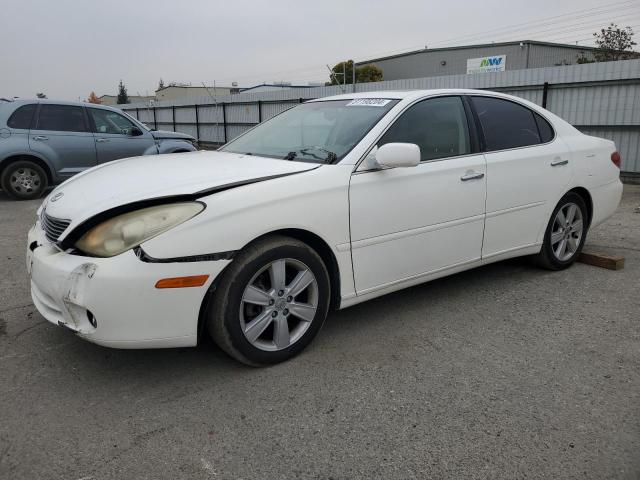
column 506, row 371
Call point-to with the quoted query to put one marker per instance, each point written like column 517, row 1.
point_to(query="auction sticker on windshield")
column 368, row 102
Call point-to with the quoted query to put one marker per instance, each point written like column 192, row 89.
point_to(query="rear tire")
column 565, row 234
column 270, row 302
column 24, row 180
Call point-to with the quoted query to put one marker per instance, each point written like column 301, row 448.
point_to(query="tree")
column 93, row 98
column 41, row 95
column 582, row 58
column 366, row 73
column 122, row 94
column 160, row 84
column 338, row 73
column 614, row 43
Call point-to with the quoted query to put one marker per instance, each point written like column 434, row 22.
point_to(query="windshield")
column 137, row 122
column 321, row 132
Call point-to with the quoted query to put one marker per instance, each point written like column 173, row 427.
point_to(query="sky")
column 68, row 48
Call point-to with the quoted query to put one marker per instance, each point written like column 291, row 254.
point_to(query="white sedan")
column 331, row 203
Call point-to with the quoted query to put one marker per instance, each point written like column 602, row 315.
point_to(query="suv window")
column 506, row 124
column 437, row 125
column 61, row 118
column 111, row 122
column 21, row 118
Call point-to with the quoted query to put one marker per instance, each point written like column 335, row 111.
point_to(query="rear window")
column 61, row 118
column 506, row 124
column 546, row 132
column 21, row 118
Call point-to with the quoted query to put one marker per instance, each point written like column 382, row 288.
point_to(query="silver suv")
column 44, row 142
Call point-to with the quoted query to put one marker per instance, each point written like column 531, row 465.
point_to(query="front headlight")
column 129, row 230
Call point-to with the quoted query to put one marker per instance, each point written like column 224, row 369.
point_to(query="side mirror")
column 398, row 155
column 135, row 132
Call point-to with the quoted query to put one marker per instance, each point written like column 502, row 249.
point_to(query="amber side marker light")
column 182, row 282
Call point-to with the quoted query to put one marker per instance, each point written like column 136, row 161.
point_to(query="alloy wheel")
column 567, row 231
column 278, row 304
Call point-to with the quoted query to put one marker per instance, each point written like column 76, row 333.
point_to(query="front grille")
column 53, row 227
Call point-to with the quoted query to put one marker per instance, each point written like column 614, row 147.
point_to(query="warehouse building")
column 113, row 99
column 492, row 57
column 271, row 87
column 174, row 92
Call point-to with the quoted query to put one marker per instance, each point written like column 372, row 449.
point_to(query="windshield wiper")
column 330, row 158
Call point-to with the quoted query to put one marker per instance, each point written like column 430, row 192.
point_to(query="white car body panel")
column 386, row 229
column 523, row 189
column 236, row 217
column 139, row 316
column 122, row 182
column 395, row 212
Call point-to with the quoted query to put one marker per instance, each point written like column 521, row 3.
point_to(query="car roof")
column 24, row 101
column 410, row 94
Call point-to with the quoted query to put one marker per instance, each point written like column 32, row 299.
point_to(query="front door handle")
column 101, row 140
column 471, row 175
column 40, row 138
column 558, row 162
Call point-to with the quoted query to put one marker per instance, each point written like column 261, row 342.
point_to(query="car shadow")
column 344, row 327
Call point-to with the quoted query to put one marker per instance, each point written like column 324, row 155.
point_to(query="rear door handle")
column 558, row 162
column 471, row 175
column 101, row 140
column 40, row 138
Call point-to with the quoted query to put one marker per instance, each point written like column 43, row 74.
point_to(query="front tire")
column 565, row 234
column 271, row 301
column 24, row 180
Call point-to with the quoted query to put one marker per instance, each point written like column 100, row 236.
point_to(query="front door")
column 410, row 222
column 115, row 137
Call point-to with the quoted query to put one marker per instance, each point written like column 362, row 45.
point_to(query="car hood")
column 166, row 135
column 154, row 177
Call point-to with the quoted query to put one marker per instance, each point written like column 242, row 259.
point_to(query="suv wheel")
column 24, row 180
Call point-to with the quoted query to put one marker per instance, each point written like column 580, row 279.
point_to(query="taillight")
column 615, row 158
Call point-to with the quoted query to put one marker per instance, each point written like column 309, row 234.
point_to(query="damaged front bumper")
column 113, row 301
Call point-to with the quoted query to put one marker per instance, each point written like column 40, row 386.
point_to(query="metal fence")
column 601, row 99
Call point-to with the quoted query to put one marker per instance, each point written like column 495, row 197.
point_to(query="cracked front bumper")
column 113, row 301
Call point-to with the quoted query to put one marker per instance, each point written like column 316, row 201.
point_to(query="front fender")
column 173, row 146
column 314, row 201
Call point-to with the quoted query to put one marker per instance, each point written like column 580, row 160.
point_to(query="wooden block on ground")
column 612, row 262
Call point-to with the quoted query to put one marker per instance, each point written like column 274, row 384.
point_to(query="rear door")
column 528, row 170
column 62, row 135
column 114, row 134
column 410, row 222
column 19, row 123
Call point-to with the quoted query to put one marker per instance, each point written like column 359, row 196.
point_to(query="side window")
column 506, row 124
column 546, row 132
column 21, row 118
column 111, row 122
column 61, row 118
column 437, row 125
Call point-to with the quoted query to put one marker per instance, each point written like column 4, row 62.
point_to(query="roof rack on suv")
column 6, row 100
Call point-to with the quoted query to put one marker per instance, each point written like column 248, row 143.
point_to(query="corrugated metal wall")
column 601, row 99
column 449, row 61
column 547, row 55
